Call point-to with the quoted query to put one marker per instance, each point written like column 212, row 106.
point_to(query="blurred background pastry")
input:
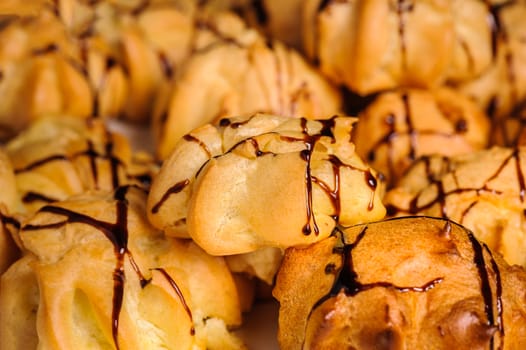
column 399, row 126
column 484, row 191
column 266, row 77
column 56, row 158
column 230, row 186
column 403, row 283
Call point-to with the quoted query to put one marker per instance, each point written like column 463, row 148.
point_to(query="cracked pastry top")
column 97, row 275
column 405, row 283
column 484, row 191
column 401, row 125
column 264, row 180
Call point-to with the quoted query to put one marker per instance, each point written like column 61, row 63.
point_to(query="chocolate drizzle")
column 41, row 162
column 204, row 147
column 166, row 65
column 9, row 220
column 498, row 296
column 501, row 43
column 306, row 156
column 46, row 49
column 347, row 280
column 31, row 196
column 410, row 129
column 309, row 140
column 93, row 155
column 176, row 188
column 117, row 234
column 402, row 8
column 485, row 287
column 202, row 24
column 436, row 179
column 180, row 295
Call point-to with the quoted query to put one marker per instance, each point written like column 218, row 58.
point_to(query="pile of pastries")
column 168, row 164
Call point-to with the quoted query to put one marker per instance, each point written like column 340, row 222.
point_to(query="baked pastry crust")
column 401, row 125
column 412, row 282
column 58, row 157
column 370, row 46
column 483, row 191
column 96, row 274
column 231, row 186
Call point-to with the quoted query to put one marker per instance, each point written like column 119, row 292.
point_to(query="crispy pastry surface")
column 482, row 190
column 264, row 180
column 406, row 283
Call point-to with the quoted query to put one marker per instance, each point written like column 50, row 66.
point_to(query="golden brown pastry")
column 501, row 89
column 406, row 283
column 58, row 157
column 266, row 77
column 97, row 275
column 402, row 125
column 139, row 47
column 123, row 51
column 374, row 45
column 264, row 181
column 484, row 191
column 42, row 73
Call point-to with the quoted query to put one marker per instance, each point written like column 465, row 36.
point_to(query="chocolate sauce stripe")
column 116, row 233
column 203, row 145
column 9, row 220
column 176, row 188
column 442, row 195
column 179, row 294
column 403, row 7
column 61, row 157
column 498, row 295
column 92, row 154
column 346, row 278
